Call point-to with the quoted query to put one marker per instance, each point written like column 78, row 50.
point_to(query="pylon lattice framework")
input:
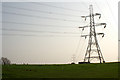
column 93, row 46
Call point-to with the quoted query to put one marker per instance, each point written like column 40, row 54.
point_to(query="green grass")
column 108, row 70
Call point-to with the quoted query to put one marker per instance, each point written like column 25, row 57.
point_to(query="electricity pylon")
column 93, row 46
column 73, row 59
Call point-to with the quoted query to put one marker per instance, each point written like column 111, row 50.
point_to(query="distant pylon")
column 73, row 59
column 93, row 46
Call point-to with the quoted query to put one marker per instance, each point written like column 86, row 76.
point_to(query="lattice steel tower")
column 93, row 46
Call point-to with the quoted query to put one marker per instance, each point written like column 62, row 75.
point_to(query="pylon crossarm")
column 84, row 36
column 97, row 14
column 96, row 34
column 83, row 27
column 100, row 24
column 101, row 34
column 85, row 17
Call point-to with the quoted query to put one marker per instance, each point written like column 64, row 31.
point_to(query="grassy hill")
column 107, row 70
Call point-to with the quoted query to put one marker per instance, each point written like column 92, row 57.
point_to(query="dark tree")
column 5, row 61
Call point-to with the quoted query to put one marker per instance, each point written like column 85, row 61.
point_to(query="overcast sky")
column 47, row 32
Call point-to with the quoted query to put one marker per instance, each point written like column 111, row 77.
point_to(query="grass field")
column 107, row 70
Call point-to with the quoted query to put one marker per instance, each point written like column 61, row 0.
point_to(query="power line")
column 82, row 48
column 57, row 7
column 38, row 31
column 103, row 15
column 42, row 11
column 111, row 11
column 78, row 44
column 36, row 35
column 27, row 15
column 37, row 24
